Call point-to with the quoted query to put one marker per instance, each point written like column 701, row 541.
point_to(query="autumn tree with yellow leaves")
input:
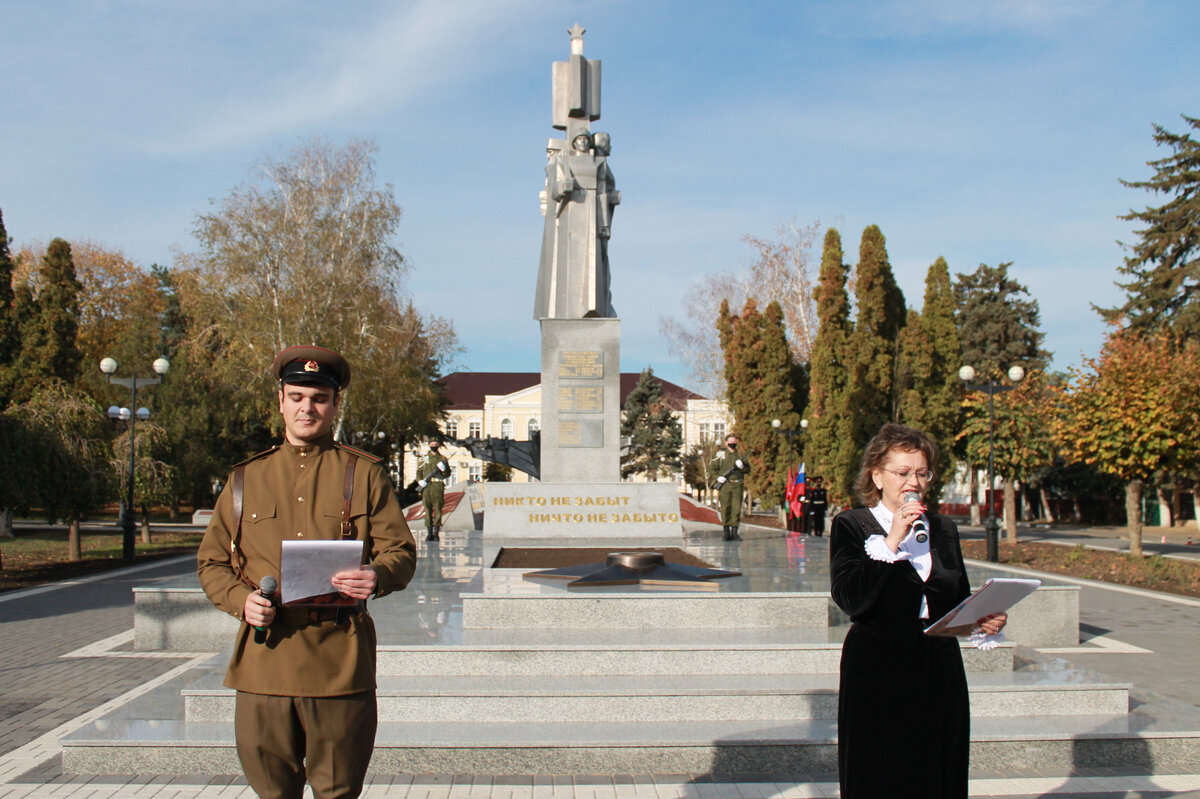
column 1132, row 411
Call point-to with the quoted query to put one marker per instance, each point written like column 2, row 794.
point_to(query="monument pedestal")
column 582, row 510
column 581, row 400
column 579, row 495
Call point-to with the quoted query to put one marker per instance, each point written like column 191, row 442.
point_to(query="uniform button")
column 304, row 454
column 253, row 515
column 299, row 535
column 303, row 465
column 299, row 499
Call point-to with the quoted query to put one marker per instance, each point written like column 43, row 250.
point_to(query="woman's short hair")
column 889, row 438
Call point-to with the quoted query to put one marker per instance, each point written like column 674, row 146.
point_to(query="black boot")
column 725, row 532
column 431, row 533
column 733, row 534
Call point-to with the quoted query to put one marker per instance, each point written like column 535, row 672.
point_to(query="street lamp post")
column 109, row 367
column 1015, row 374
column 790, row 434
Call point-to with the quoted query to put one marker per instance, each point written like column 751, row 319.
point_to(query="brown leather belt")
column 304, row 617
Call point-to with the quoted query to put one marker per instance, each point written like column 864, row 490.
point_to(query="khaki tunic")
column 296, row 493
column 434, row 492
column 729, row 495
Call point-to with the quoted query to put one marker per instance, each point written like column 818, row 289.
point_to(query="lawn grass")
column 40, row 556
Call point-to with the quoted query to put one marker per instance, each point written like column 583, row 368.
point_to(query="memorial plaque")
column 582, row 364
column 581, row 433
column 580, row 399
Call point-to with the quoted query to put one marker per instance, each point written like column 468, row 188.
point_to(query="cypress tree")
column 8, row 323
column 1163, row 291
column 881, row 315
column 10, row 339
column 50, row 347
column 761, row 380
column 930, row 393
column 829, row 452
column 655, row 440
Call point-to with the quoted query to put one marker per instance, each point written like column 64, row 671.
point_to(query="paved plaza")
column 68, row 661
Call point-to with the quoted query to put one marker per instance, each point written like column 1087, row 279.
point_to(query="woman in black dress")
column 903, row 715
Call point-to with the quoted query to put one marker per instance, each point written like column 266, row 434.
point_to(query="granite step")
column 733, row 697
column 638, row 747
column 657, row 652
column 643, row 610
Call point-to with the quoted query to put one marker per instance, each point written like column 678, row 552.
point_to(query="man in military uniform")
column 432, row 471
column 818, row 500
column 731, row 469
column 306, row 682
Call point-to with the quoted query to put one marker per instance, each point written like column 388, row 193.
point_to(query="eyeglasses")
column 923, row 475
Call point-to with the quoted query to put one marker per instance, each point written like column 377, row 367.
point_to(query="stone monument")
column 581, row 492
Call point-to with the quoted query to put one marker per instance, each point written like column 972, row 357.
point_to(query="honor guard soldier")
column 432, row 471
column 818, row 501
column 305, row 677
column 731, row 469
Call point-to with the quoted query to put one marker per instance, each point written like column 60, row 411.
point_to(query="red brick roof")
column 466, row 390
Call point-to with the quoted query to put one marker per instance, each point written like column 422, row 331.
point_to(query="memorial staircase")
column 514, row 680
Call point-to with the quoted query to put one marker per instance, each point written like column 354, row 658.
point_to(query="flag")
column 795, row 490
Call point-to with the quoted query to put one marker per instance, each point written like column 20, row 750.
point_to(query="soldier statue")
column 579, row 198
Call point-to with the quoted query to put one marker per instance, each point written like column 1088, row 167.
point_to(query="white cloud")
column 416, row 48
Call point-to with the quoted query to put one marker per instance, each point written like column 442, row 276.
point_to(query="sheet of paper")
column 996, row 596
column 308, row 566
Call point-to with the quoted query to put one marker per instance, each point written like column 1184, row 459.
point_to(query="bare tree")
column 781, row 273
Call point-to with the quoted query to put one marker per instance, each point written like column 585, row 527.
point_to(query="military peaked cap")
column 311, row 365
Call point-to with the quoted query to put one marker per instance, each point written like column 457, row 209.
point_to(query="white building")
column 509, row 405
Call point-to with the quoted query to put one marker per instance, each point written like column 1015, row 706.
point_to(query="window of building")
column 475, row 471
column 532, row 428
column 452, row 428
column 506, row 428
column 719, row 431
column 705, row 431
column 475, row 428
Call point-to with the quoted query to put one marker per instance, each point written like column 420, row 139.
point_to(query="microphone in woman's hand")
column 918, row 526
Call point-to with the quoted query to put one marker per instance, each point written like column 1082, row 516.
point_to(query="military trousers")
column 729, row 503
column 432, row 496
column 284, row 740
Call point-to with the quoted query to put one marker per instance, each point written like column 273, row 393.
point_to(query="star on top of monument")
column 576, row 31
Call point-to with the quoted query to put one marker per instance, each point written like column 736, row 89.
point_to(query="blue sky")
column 979, row 130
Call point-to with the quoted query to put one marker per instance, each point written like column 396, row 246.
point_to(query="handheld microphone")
column 267, row 588
column 918, row 526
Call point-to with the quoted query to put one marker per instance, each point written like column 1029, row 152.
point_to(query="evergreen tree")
column 998, row 328
column 872, row 356
column 655, row 440
column 50, row 347
column 1164, row 268
column 829, row 451
column 9, row 341
column 761, row 380
column 929, row 392
column 997, row 322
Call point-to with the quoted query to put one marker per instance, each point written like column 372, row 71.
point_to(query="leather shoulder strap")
column 236, row 559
